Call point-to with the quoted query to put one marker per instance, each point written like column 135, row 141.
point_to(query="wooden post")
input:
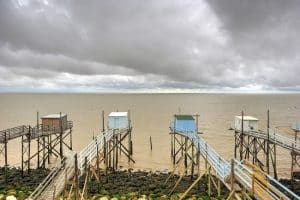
column 232, row 175
column 49, row 148
column 38, row 152
column 185, row 154
column 150, row 143
column 103, row 122
column 268, row 143
column 61, row 137
column 209, row 181
column 197, row 123
column 105, row 159
column 85, row 164
column 235, row 143
column 5, row 155
column 120, row 137
column 97, row 159
column 171, row 145
column 71, row 139
column 76, row 191
column 206, row 155
column 173, row 148
column 275, row 162
column 114, row 149
column 117, row 154
column 293, row 162
column 29, row 146
column 242, row 138
column 192, row 167
column 198, row 160
column 219, row 188
column 38, row 140
column 22, row 159
column 254, row 158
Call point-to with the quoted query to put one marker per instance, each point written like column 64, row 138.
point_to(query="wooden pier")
column 260, row 148
column 242, row 179
column 104, row 149
column 49, row 140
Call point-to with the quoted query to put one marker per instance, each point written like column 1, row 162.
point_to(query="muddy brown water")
column 151, row 115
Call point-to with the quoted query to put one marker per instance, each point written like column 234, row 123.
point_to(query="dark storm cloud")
column 266, row 35
column 137, row 44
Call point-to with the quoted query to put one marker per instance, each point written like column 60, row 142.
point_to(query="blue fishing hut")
column 183, row 124
column 118, row 120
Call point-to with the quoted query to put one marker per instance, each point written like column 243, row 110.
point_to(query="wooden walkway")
column 54, row 184
column 34, row 132
column 256, row 182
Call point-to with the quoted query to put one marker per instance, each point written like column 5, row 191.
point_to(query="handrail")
column 244, row 175
column 89, row 152
column 276, row 138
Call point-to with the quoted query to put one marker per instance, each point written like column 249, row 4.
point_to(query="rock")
column 104, row 198
column 133, row 194
column 11, row 192
column 104, row 192
column 143, row 197
column 2, row 196
column 11, row 197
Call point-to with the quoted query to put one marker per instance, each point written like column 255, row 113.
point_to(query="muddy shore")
column 122, row 184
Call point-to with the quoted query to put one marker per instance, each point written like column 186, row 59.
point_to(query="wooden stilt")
column 29, row 146
column 5, row 155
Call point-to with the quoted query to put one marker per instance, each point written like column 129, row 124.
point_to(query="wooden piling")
column 185, row 154
column 192, row 167
column 117, row 153
column 38, row 140
column 76, row 190
column 268, row 143
column 242, row 138
column 29, row 149
column 232, row 175
column 103, row 122
column 22, row 159
column 97, row 158
column 60, row 137
column 209, row 181
column 171, row 145
column 150, row 143
column 5, row 155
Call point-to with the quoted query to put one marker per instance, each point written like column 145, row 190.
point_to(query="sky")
column 154, row 46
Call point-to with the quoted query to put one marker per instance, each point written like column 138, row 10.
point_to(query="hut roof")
column 184, row 117
column 118, row 114
column 53, row 116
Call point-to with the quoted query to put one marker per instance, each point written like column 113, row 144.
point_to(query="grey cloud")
column 164, row 44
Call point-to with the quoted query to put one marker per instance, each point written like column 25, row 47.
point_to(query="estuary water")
column 151, row 115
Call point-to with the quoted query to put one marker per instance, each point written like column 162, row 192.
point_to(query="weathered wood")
column 150, row 143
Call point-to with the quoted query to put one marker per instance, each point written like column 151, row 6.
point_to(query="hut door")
column 116, row 122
